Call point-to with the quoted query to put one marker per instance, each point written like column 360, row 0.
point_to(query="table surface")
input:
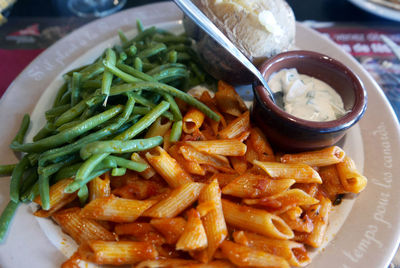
column 35, row 25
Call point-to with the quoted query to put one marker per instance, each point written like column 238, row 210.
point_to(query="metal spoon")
column 201, row 20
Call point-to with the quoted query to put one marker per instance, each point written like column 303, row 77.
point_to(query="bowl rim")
column 342, row 123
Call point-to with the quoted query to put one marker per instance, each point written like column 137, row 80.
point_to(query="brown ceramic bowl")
column 290, row 133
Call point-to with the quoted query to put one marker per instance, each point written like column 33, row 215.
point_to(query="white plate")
column 370, row 232
column 379, row 10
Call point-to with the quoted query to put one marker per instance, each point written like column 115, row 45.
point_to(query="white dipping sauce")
column 306, row 97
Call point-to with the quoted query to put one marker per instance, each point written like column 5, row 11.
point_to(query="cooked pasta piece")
column 57, row 194
column 324, row 157
column 228, row 100
column 192, row 120
column 99, row 188
column 81, row 229
column 149, row 171
column 141, row 231
column 158, row 128
column 261, row 221
column 260, row 144
column 293, row 252
column 249, row 257
column 284, row 201
column 214, row 222
column 168, row 167
column 116, row 209
column 221, row 147
column 239, row 163
column 217, row 161
column 351, row 179
column 236, row 127
column 191, row 166
column 297, row 221
column 194, row 236
column 299, row 172
column 250, row 185
column 170, row 228
column 165, row 263
column 331, row 181
column 178, row 200
column 223, row 178
column 122, row 252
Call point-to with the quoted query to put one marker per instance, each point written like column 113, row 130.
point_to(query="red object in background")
column 13, row 62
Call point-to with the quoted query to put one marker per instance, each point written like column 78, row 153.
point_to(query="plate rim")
column 378, row 10
column 16, row 82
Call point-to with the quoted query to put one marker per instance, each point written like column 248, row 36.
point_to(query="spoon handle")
column 201, row 20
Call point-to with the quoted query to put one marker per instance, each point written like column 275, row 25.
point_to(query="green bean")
column 71, row 114
column 123, row 38
column 172, row 56
column 69, row 125
column 118, row 171
column 78, row 69
column 102, row 133
column 179, row 48
column 107, row 75
column 67, row 171
column 139, row 26
column 6, row 170
column 160, row 68
column 173, row 107
column 122, row 57
column 171, row 74
column 60, row 93
column 47, row 130
column 44, row 189
column 129, row 164
column 134, row 72
column 6, row 218
column 131, row 51
column 92, row 71
column 160, row 88
column 142, row 35
column 138, row 64
column 19, row 137
column 75, row 85
column 54, row 168
column 69, row 134
column 91, row 84
column 144, row 122
column 83, row 194
column 94, row 100
column 29, row 181
column 53, row 113
column 66, row 98
column 118, row 146
column 33, row 159
column 117, row 72
column 16, row 178
column 145, row 102
column 151, row 51
column 176, row 131
column 172, row 39
column 201, row 75
column 30, row 193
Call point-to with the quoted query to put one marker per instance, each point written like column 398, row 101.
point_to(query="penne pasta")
column 81, row 229
column 194, row 236
column 192, row 120
column 239, row 163
column 191, row 166
column 249, row 257
column 116, row 209
column 149, row 171
column 99, row 188
column 168, row 167
column 284, row 201
column 122, row 252
column 350, row 178
column 170, row 228
column 324, row 157
column 221, row 147
column 214, row 222
column 260, row 144
column 166, row 263
column 223, row 178
column 297, row 221
column 178, row 200
column 294, row 253
column 299, row 172
column 331, row 181
column 236, row 127
column 57, row 195
column 261, row 221
column 158, row 128
column 228, row 101
column 141, row 231
column 250, row 185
